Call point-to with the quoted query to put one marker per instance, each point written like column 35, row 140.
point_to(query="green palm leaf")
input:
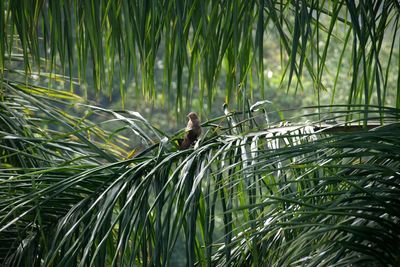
column 273, row 195
column 212, row 40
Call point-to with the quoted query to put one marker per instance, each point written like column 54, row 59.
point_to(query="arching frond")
column 289, row 194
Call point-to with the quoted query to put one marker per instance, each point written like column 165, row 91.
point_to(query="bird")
column 193, row 131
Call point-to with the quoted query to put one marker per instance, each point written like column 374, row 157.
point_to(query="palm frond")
column 249, row 193
column 212, row 40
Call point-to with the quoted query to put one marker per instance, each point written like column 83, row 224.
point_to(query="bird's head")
column 192, row 116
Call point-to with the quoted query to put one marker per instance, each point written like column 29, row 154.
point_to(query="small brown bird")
column 193, row 131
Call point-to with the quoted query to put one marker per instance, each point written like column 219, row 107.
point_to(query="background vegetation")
column 85, row 180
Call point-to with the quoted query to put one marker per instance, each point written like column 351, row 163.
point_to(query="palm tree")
column 252, row 191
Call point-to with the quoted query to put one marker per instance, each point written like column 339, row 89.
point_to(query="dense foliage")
column 192, row 50
column 248, row 193
column 316, row 186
